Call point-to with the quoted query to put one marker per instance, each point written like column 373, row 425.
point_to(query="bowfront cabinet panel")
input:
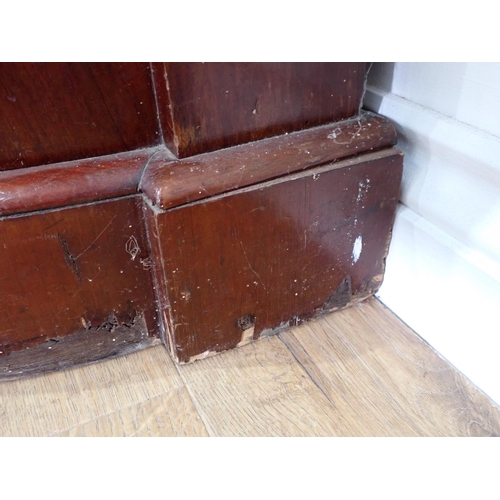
column 202, row 205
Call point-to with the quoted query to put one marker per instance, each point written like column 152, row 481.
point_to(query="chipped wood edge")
column 78, row 349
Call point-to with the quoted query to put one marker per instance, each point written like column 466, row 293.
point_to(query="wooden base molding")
column 170, row 182
column 252, row 262
column 72, row 270
column 106, row 255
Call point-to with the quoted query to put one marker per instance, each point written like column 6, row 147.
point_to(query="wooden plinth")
column 105, row 255
column 255, row 261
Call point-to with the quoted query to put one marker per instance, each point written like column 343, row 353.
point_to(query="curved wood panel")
column 70, row 183
column 79, row 269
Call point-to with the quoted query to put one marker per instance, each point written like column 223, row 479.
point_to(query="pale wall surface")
column 443, row 271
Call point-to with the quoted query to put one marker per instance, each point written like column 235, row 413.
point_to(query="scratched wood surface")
column 386, row 380
column 232, row 103
column 171, row 414
column 52, row 112
column 260, row 390
column 57, row 402
column 356, row 372
column 70, row 270
column 276, row 254
column 170, row 182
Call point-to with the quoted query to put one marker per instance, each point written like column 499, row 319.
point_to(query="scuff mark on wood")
column 246, row 337
column 197, row 357
column 70, row 258
column 269, row 332
column 250, row 266
column 132, row 247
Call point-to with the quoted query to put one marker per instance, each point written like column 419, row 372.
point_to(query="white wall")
column 443, row 269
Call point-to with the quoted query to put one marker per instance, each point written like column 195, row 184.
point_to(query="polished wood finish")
column 209, row 106
column 252, row 262
column 169, row 182
column 53, row 112
column 70, row 183
column 82, row 269
column 102, row 253
column 356, row 372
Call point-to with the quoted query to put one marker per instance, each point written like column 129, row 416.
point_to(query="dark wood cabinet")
column 206, row 107
column 53, row 112
column 201, row 205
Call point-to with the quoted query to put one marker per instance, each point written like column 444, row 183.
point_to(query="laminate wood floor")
column 356, row 372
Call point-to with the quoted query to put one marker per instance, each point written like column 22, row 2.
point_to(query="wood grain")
column 52, row 403
column 242, row 265
column 356, row 372
column 210, row 106
column 76, row 269
column 386, row 380
column 53, row 112
column 80, row 348
column 71, row 183
column 169, row 182
column 259, row 390
column 169, row 415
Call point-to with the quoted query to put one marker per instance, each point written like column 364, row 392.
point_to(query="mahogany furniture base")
column 250, row 263
column 205, row 253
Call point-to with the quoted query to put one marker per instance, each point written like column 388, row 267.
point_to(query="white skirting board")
column 440, row 289
column 451, row 171
column 443, row 269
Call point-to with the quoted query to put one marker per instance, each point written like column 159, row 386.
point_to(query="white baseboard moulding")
column 443, row 269
column 448, row 294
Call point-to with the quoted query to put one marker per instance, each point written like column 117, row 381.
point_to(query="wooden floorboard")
column 51, row 403
column 356, row 372
column 387, row 379
column 171, row 414
column 259, row 390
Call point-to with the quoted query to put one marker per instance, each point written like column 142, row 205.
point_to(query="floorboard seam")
column 472, row 385
column 309, row 374
column 196, row 405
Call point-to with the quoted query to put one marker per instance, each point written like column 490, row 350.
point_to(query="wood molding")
column 207, row 252
column 71, row 183
column 169, row 182
column 254, row 261
column 459, row 290
column 452, row 172
column 74, row 269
